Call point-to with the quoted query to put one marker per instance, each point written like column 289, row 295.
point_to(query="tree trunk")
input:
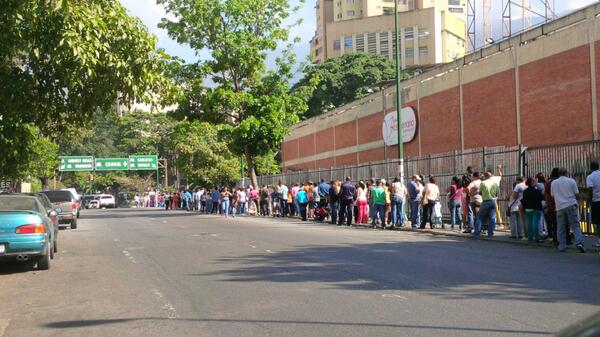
column 251, row 170
column 45, row 184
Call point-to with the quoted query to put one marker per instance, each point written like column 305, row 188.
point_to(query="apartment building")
column 432, row 31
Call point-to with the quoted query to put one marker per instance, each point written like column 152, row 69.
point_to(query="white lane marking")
column 116, row 240
column 253, row 246
column 269, row 251
column 196, row 235
column 164, row 221
column 129, row 256
column 214, row 235
column 165, row 305
column 393, row 296
column 4, row 323
column 181, row 227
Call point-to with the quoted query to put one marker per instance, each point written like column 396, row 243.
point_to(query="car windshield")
column 59, row 196
column 107, row 197
column 11, row 203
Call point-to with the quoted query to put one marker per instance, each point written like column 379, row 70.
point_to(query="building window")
column 339, row 15
column 423, row 33
column 336, row 45
column 456, row 10
column 350, row 13
column 423, row 51
column 410, row 52
column 372, row 43
column 454, row 2
column 339, row 4
column 409, row 33
column 348, row 42
column 360, row 43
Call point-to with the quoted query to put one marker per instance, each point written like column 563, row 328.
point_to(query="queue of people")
column 539, row 208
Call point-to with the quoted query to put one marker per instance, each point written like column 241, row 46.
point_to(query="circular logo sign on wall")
column 409, row 127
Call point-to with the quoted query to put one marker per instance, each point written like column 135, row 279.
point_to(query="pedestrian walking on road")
column 565, row 193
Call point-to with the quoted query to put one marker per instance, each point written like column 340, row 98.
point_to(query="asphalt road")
column 157, row 273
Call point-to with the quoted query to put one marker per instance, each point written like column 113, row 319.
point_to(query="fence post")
column 483, row 162
column 522, row 160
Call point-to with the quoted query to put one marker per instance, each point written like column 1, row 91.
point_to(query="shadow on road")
column 447, row 268
column 14, row 267
column 90, row 323
column 124, row 213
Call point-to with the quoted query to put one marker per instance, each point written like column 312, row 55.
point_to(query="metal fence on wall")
column 516, row 161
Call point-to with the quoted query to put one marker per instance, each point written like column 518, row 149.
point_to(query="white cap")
column 383, row 181
column 418, row 177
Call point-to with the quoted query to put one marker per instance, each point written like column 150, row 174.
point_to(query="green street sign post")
column 143, row 162
column 112, row 164
column 76, row 163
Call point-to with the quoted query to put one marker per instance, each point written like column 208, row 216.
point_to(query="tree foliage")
column 202, row 154
column 257, row 104
column 61, row 60
column 344, row 79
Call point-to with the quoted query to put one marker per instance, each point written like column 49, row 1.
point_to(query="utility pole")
column 399, row 94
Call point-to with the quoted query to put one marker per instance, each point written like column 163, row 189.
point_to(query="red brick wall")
column 325, row 163
column 371, row 155
column 440, row 121
column 490, row 102
column 369, row 128
column 347, row 159
column 307, row 145
column 345, row 135
column 556, row 99
column 325, row 140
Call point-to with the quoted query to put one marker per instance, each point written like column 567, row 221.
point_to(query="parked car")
column 64, row 200
column 26, row 231
column 43, row 199
column 85, row 200
column 77, row 197
column 107, row 200
column 94, row 204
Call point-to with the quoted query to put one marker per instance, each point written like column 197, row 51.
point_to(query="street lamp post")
column 398, row 95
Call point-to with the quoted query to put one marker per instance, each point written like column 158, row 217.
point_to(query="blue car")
column 26, row 230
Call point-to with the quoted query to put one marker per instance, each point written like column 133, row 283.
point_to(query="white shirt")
column 242, row 195
column 432, row 191
column 519, row 188
column 564, row 191
column 593, row 182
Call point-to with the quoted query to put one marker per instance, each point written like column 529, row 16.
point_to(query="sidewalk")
column 500, row 236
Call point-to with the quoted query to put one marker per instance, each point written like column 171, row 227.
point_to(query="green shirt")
column 378, row 196
column 489, row 189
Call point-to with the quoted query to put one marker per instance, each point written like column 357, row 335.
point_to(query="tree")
column 258, row 105
column 61, row 60
column 142, row 132
column 202, row 154
column 344, row 79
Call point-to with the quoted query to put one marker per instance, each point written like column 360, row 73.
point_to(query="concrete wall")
column 536, row 88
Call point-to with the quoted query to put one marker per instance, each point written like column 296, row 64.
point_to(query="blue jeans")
column 296, row 207
column 516, row 225
column 486, row 211
column 378, row 212
column 415, row 213
column 225, row 207
column 455, row 212
column 333, row 210
column 568, row 217
column 208, row 208
column 470, row 216
column 283, row 207
column 398, row 211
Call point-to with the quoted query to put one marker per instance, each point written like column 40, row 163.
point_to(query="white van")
column 106, row 200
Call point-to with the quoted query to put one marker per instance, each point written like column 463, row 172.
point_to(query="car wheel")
column 74, row 224
column 44, row 261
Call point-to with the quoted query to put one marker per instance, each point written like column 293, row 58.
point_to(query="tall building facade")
column 432, row 31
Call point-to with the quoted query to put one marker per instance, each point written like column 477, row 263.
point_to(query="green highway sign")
column 76, row 163
column 112, row 164
column 144, row 162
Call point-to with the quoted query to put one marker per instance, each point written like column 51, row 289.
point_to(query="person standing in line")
column 234, row 202
column 475, row 201
column 378, row 199
column 593, row 183
column 467, row 209
column 361, row 201
column 489, row 189
column 175, row 200
column 347, row 194
column 302, row 199
column 167, row 201
column 225, row 195
column 323, row 192
column 541, row 186
column 264, row 200
column 387, row 218
column 431, row 193
column 565, row 193
column 295, row 204
column 283, row 192
column 242, row 202
column 455, row 192
column 276, row 201
column 216, row 196
column 370, row 186
column 399, row 194
column 334, row 201
column 516, row 222
column 532, row 205
column 415, row 190
column 316, row 201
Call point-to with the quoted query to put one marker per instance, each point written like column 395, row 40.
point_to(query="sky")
column 150, row 13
